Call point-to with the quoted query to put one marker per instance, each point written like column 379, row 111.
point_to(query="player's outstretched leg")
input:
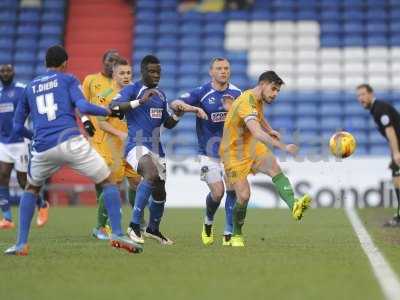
column 156, row 212
column 269, row 165
column 285, row 190
column 112, row 203
column 26, row 210
column 229, row 205
column 6, row 222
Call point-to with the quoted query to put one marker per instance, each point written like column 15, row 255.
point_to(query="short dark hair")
column 148, row 59
column 271, row 77
column 56, row 56
column 121, row 62
column 367, row 87
column 215, row 59
column 109, row 52
column 7, row 64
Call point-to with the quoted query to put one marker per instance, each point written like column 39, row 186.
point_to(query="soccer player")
column 387, row 120
column 211, row 100
column 244, row 150
column 51, row 99
column 13, row 149
column 96, row 88
column 112, row 135
column 146, row 111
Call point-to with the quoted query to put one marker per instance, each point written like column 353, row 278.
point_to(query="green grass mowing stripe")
column 318, row 258
column 386, row 239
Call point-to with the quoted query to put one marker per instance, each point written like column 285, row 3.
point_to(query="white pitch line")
column 386, row 277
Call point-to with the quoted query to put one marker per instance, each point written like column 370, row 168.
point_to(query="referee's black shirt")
column 385, row 115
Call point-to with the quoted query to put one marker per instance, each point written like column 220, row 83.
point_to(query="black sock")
column 211, row 207
column 135, row 227
column 207, row 229
column 397, row 190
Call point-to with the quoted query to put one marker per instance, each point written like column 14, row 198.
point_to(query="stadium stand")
column 84, row 42
column 27, row 28
column 321, row 60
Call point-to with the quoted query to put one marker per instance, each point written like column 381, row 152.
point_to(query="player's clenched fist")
column 292, row 149
column 116, row 111
column 147, row 95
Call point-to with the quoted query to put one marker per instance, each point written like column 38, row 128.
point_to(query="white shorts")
column 76, row 153
column 138, row 152
column 211, row 170
column 16, row 154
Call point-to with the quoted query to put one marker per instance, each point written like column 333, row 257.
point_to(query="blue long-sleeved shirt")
column 51, row 100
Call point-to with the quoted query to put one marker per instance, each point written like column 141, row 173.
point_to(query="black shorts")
column 395, row 169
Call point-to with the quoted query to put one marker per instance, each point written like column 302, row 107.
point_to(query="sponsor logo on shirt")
column 6, row 107
column 218, row 117
column 156, row 113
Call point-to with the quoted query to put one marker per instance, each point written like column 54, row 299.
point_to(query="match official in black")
column 387, row 120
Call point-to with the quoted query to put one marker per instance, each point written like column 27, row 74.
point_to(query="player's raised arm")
column 188, row 103
column 179, row 105
column 268, row 129
column 21, row 113
column 123, row 103
column 170, row 121
column 258, row 133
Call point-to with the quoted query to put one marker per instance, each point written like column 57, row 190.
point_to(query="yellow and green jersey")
column 97, row 88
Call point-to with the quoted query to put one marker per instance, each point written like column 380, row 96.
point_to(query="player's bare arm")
column 393, row 143
column 107, row 127
column 268, row 129
column 258, row 133
column 179, row 105
column 126, row 106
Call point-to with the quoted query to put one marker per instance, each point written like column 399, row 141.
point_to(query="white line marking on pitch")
column 386, row 277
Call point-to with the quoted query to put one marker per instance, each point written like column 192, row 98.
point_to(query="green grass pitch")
column 318, row 258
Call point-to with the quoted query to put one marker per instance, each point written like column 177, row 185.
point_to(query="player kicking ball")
column 244, row 150
column 51, row 100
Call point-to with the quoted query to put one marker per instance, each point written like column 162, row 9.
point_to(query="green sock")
column 102, row 215
column 285, row 189
column 239, row 214
column 131, row 196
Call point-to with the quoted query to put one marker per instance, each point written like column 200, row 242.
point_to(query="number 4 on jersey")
column 45, row 104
